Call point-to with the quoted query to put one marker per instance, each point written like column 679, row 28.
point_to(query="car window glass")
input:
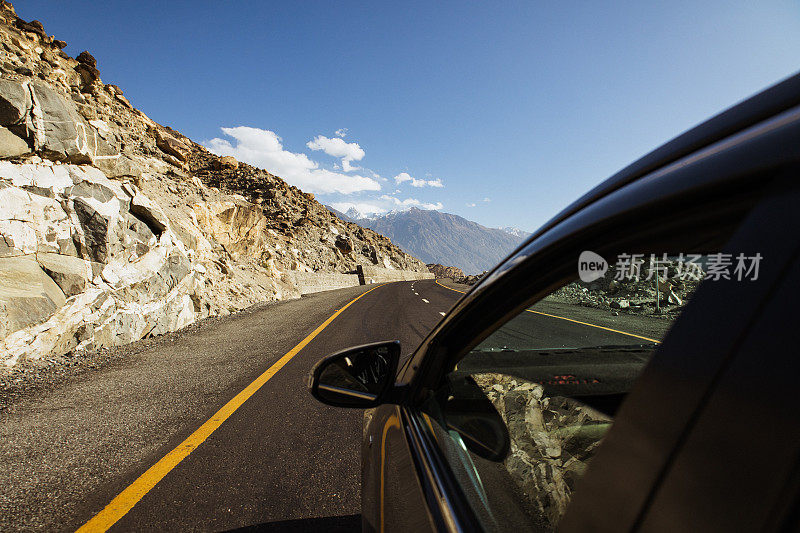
column 522, row 413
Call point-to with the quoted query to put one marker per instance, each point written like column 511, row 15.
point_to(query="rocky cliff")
column 441, row 271
column 114, row 228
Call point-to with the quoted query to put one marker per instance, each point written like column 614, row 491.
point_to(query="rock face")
column 114, row 228
column 11, row 145
column 46, row 121
column 27, row 294
column 441, row 271
column 170, row 145
column 552, row 441
column 72, row 274
column 453, row 273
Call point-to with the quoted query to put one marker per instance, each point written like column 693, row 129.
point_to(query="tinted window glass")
column 520, row 416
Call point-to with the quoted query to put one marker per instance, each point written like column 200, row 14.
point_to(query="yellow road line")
column 129, row 497
column 595, row 326
column 446, row 287
column 570, row 319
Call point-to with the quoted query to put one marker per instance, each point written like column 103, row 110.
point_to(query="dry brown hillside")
column 116, row 228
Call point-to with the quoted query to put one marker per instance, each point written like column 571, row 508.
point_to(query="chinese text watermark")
column 684, row 267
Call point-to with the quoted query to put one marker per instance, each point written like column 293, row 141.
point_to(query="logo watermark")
column 591, row 266
column 684, row 267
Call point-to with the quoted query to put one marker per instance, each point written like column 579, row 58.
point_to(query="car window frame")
column 690, row 183
column 651, row 410
column 684, row 186
column 415, row 413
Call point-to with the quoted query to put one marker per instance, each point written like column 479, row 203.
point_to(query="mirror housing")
column 474, row 417
column 359, row 377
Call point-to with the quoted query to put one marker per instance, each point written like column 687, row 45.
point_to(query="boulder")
column 63, row 134
column 124, row 100
column 226, row 162
column 150, row 277
column 344, row 244
column 71, row 274
column 33, row 26
column 172, row 160
column 88, row 74
column 149, row 213
column 620, row 304
column 11, row 145
column 94, row 244
column 170, row 145
column 50, row 123
column 27, row 294
column 71, row 324
column 94, row 179
column 137, row 237
column 98, row 220
column 15, row 104
column 85, row 58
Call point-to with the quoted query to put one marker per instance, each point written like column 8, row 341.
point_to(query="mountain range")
column 444, row 238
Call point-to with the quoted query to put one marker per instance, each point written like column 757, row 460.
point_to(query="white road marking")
column 416, row 293
column 426, row 301
column 441, row 313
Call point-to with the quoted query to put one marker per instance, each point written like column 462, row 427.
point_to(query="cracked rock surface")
column 114, row 228
column 552, row 441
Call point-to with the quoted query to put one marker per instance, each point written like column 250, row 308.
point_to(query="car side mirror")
column 357, row 377
column 473, row 416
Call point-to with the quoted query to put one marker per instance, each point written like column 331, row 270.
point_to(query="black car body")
column 708, row 436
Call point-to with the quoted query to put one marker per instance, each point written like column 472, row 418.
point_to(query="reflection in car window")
column 521, row 415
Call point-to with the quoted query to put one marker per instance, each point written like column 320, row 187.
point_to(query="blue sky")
column 514, row 108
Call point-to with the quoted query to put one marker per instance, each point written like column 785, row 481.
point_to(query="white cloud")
column 473, row 204
column 411, row 202
column 336, row 147
column 341, row 132
column 264, row 149
column 404, row 176
column 487, row 199
column 378, row 176
column 363, row 208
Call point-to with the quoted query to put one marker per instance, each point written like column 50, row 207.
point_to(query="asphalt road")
column 280, row 462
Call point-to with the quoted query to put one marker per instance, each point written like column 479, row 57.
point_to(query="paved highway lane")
column 68, row 452
column 280, row 460
column 553, row 324
column 284, row 461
